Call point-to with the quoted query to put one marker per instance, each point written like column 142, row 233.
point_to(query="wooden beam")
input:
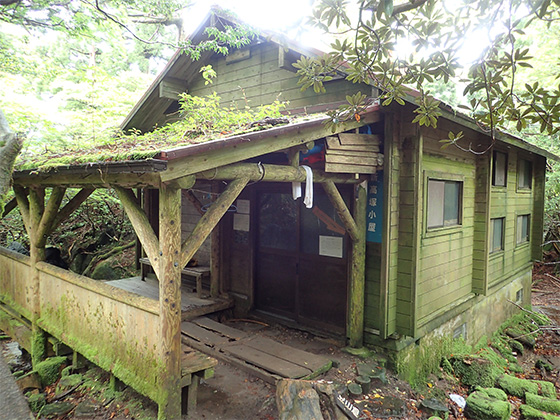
column 236, row 149
column 49, row 214
column 23, row 204
column 36, row 210
column 358, row 271
column 71, row 206
column 272, row 173
column 92, row 180
column 12, row 204
column 170, row 299
column 141, row 226
column 342, row 210
column 185, row 182
column 210, row 219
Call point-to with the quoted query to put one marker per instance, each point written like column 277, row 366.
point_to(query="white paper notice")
column 243, row 206
column 241, row 222
column 330, row 246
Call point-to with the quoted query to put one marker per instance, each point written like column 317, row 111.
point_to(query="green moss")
column 36, row 402
column 416, row 363
column 473, row 371
column 38, row 345
column 49, row 369
column 519, row 387
column 483, row 405
column 543, row 403
column 530, row 413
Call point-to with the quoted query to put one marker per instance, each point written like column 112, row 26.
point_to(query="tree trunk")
column 10, row 146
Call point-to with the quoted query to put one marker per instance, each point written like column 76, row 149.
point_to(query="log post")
column 358, row 270
column 170, row 300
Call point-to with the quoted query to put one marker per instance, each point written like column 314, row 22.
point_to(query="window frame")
column 449, row 178
column 492, row 250
column 520, row 175
column 527, row 237
column 495, row 168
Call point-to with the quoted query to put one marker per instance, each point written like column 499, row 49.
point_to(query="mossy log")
column 487, row 405
column 549, row 405
column 530, row 413
column 474, row 371
column 519, row 387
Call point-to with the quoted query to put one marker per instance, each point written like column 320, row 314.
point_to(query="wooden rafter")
column 12, row 204
column 141, row 225
column 48, row 217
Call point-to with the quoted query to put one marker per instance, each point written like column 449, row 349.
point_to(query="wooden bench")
column 195, row 366
column 198, row 273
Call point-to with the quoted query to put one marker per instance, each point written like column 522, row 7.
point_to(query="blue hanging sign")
column 374, row 216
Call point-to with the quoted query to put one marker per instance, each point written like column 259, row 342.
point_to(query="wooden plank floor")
column 262, row 356
column 190, row 303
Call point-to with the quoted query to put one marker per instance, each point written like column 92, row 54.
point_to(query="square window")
column 523, row 226
column 497, row 232
column 444, row 203
column 499, row 173
column 524, row 174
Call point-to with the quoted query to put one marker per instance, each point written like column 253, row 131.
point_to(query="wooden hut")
column 403, row 240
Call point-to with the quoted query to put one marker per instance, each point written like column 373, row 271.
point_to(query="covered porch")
column 132, row 328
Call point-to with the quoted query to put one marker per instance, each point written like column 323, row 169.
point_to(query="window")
column 524, row 174
column 499, row 173
column 444, row 203
column 523, row 226
column 497, row 232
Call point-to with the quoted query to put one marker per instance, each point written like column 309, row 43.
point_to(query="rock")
column 49, row 369
column 542, row 364
column 86, row 410
column 435, row 407
column 297, row 400
column 549, row 405
column 29, row 381
column 56, row 409
column 365, row 383
column 70, row 381
column 488, row 404
column 530, row 413
column 36, row 402
column 386, row 407
column 518, row 387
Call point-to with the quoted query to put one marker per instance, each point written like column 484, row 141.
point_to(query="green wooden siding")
column 510, row 202
column 481, row 221
column 259, row 80
column 446, row 254
column 372, row 309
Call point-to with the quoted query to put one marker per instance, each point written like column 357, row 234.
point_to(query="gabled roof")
column 181, row 70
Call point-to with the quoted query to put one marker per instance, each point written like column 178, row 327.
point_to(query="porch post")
column 38, row 221
column 357, row 272
column 170, row 300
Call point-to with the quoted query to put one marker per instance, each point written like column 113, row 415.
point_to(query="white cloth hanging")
column 296, row 188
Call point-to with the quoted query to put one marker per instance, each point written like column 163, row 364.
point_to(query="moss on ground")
column 550, row 405
column 530, row 413
column 49, row 369
column 488, row 404
column 519, row 387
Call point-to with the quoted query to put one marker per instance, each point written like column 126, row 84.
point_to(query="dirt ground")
column 233, row 394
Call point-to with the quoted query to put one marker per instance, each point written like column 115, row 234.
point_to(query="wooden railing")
column 16, row 281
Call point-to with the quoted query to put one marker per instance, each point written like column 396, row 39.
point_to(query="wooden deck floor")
column 191, row 305
column 261, row 356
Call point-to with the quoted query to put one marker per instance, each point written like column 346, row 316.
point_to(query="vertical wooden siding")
column 446, row 254
column 372, row 308
column 259, row 80
column 15, row 281
column 115, row 329
column 509, row 202
column 481, row 222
